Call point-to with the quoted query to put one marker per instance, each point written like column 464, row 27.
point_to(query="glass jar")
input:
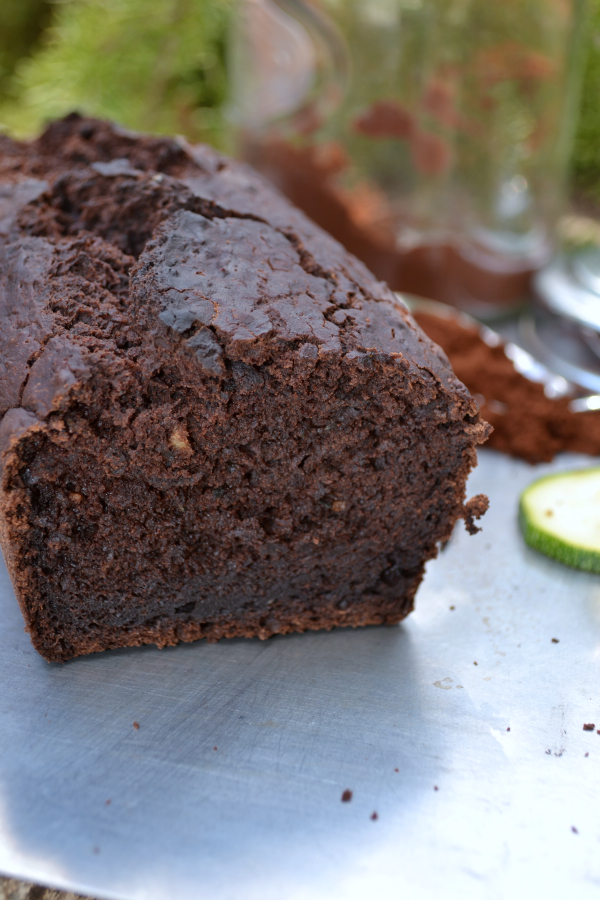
column 431, row 137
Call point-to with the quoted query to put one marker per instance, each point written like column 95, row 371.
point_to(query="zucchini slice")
column 560, row 516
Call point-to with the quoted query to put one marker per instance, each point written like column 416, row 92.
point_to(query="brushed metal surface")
column 231, row 786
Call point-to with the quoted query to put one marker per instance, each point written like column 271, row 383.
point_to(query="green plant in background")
column 21, row 24
column 159, row 65
column 152, row 65
column 586, row 155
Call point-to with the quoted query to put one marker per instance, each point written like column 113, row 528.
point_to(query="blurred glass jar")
column 431, row 137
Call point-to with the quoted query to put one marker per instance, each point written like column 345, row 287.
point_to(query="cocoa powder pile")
column 527, row 424
column 362, row 219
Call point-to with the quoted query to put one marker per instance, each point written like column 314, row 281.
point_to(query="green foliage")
column 586, row 155
column 21, row 23
column 152, row 65
column 159, row 65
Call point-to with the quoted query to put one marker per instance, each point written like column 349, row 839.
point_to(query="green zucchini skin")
column 559, row 549
column 565, row 553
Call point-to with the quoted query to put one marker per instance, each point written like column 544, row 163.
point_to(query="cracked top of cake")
column 114, row 242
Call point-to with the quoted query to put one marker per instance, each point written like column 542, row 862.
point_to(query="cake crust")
column 215, row 421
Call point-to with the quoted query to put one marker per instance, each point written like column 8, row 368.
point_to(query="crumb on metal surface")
column 14, row 889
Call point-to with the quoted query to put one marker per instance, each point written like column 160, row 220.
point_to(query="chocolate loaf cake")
column 214, row 420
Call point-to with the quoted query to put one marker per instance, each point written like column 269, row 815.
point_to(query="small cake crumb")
column 108, row 802
column 475, row 663
column 555, row 641
column 508, row 729
column 136, row 725
column 435, row 787
column 374, row 817
column 586, row 754
column 574, row 830
column 452, row 607
column 180, row 440
column 346, row 796
column 589, row 727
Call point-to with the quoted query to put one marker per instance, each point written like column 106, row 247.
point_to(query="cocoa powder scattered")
column 527, row 424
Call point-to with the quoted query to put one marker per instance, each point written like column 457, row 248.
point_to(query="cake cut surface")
column 215, row 422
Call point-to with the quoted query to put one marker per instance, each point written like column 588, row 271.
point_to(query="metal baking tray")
column 462, row 729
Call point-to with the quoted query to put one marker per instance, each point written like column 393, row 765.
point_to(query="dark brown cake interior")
column 255, row 523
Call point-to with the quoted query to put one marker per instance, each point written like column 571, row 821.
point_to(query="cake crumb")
column 475, row 663
column 214, row 748
column 435, row 787
column 374, row 817
column 180, row 439
column 574, row 830
column 555, row 641
column 136, row 725
column 589, row 727
column 452, row 607
column 586, row 754
column 508, row 729
column 346, row 796
column 396, row 770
